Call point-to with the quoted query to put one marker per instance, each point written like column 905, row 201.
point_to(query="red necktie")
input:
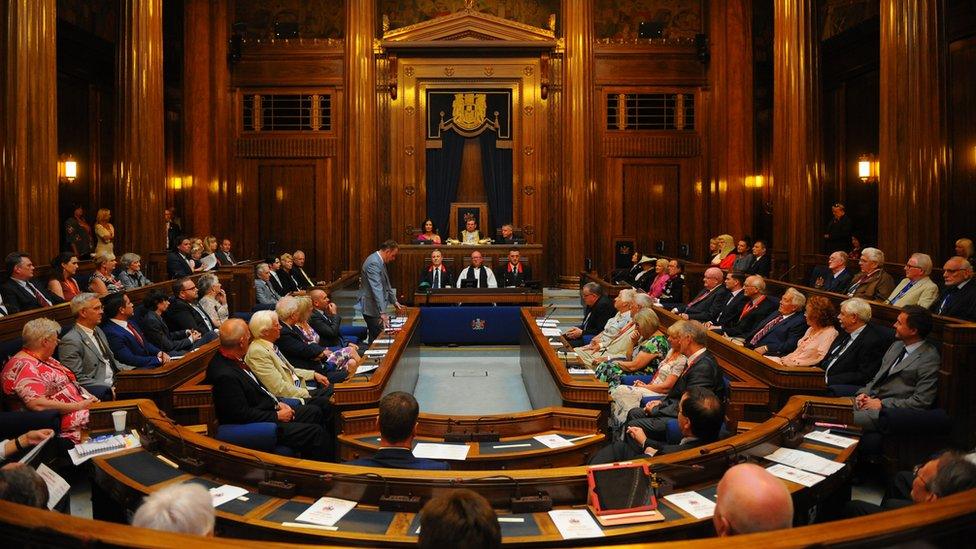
column 135, row 333
column 766, row 329
column 41, row 300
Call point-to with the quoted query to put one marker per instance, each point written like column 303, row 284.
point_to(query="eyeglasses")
column 190, row 288
column 908, row 266
column 953, row 271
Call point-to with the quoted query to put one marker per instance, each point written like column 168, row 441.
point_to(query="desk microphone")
column 387, row 502
column 732, row 459
column 792, row 438
column 195, row 466
column 278, row 488
column 553, row 309
column 451, row 436
column 663, row 484
column 539, row 502
column 490, row 436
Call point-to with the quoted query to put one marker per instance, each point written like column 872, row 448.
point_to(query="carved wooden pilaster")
column 141, row 166
column 797, row 163
column 28, row 129
column 913, row 147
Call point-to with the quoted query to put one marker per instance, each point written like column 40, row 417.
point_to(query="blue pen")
column 102, row 438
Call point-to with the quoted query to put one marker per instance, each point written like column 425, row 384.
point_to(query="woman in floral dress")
column 648, row 350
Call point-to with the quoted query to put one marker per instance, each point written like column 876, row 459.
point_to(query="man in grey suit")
column 909, row 373
column 376, row 293
column 85, row 351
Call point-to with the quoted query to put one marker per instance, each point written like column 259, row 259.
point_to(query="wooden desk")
column 158, row 384
column 481, row 296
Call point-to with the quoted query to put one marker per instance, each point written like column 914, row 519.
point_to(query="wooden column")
column 577, row 122
column 361, row 181
column 29, row 129
column 797, row 163
column 913, row 146
column 730, row 131
column 141, row 166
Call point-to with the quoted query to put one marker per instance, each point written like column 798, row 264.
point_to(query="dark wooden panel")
column 649, row 190
column 961, row 84
column 287, row 216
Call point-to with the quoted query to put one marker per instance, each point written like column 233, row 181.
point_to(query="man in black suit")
column 855, row 356
column 839, row 229
column 224, row 257
column 780, row 332
column 173, row 229
column 958, row 299
column 397, row 423
column 513, row 273
column 689, row 338
column 301, row 353
column 325, row 320
column 178, row 262
column 709, row 302
column 239, row 398
column 700, row 418
column 298, row 272
column 732, row 308
column 19, row 293
column 184, row 313
column 757, row 307
column 761, row 263
column 599, row 309
column 508, row 236
column 437, row 274
column 835, row 277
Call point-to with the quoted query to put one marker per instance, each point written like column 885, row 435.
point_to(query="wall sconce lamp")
column 67, row 168
column 867, row 168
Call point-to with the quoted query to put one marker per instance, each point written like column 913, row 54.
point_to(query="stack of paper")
column 386, row 341
column 375, row 352
column 580, row 371
column 805, row 461
column 553, row 441
column 693, row 503
column 830, row 438
column 225, row 493
column 366, row 368
column 575, row 523
column 550, row 322
column 432, row 450
column 786, row 472
column 326, row 511
column 551, row 332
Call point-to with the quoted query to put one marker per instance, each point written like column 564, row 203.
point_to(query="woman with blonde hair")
column 725, row 257
column 661, row 278
column 103, row 281
column 209, row 245
column 104, row 232
column 648, row 348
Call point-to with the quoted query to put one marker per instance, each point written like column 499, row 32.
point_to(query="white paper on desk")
column 555, row 343
column 548, row 323
column 326, row 511
column 551, row 332
column 553, row 441
column 831, row 439
column 806, row 461
column 432, row 450
column 366, row 368
column 575, row 523
column 385, row 341
column 693, row 503
column 57, row 487
column 225, row 493
column 793, row 474
column 375, row 352
column 131, row 441
column 580, row 371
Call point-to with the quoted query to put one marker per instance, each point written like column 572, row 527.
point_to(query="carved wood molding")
column 287, row 147
column 669, row 146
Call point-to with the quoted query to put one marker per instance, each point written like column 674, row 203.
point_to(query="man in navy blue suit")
column 779, row 334
column 398, row 425
column 125, row 338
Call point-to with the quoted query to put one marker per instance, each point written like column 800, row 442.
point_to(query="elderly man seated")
column 265, row 292
column 947, row 474
column 185, row 508
column 916, row 288
column 614, row 340
column 476, row 275
column 958, row 299
column 757, row 307
column 710, row 301
column 873, row 284
column 397, row 423
column 780, row 332
column 85, row 349
column 750, row 499
column 835, row 277
column 304, row 352
column 855, row 356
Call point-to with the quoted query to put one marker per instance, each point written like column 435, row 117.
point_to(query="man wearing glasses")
column 185, row 314
column 916, row 288
column 958, row 299
column 937, row 478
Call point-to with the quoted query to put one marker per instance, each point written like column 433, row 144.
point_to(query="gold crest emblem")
column 469, row 110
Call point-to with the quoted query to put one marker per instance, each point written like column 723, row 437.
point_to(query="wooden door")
column 650, row 207
column 286, row 221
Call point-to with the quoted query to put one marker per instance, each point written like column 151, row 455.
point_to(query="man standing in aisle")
column 376, row 293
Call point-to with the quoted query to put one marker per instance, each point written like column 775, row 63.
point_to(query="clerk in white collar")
column 481, row 276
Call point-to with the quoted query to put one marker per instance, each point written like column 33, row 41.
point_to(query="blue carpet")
column 481, row 380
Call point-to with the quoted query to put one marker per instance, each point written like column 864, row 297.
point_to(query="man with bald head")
column 750, row 499
column 239, row 398
column 708, row 304
column 958, row 299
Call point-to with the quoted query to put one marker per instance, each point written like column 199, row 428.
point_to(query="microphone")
column 792, row 438
column 663, row 484
column 387, row 502
column 269, row 487
column 733, row 459
column 450, row 436
column 553, row 309
column 192, row 465
column 490, row 436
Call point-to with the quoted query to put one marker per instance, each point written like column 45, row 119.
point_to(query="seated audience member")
column 326, row 321
column 124, row 337
column 726, row 252
column 873, row 284
column 626, row 397
column 743, row 256
column 750, row 499
column 33, row 380
column 813, row 346
column 947, row 474
column 131, row 275
column 429, row 234
column 779, row 333
column 855, row 356
column 298, row 272
column 761, row 263
column 735, row 301
column 673, row 293
column 158, row 333
column 275, row 372
column 103, row 281
column 19, row 292
column 909, row 373
column 185, row 508
column 461, row 518
column 337, row 366
column 508, row 235
column 20, row 443
column 263, row 289
column 20, row 483
column 835, row 277
column 470, row 234
column 213, row 300
column 513, row 273
column 210, row 246
column 437, row 274
column 757, row 307
column 85, row 349
column 179, row 264
column 62, row 282
column 614, row 340
column 184, row 313
column 958, row 299
column 397, row 423
column 627, row 275
column 689, row 338
column 274, row 265
column 964, row 249
column 239, row 398
column 709, row 301
column 477, row 274
column 644, row 353
column 304, row 325
column 916, row 288
column 660, row 278
column 288, row 282
column 700, row 419
column 599, row 309
column 196, row 254
column 855, row 246
column 224, row 256
column 645, row 276
column 78, row 233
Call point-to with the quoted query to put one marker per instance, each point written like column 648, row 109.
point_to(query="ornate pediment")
column 468, row 28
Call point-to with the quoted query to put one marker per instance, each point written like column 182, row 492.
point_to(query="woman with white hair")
column 183, row 508
column 34, row 380
column 648, row 348
column 213, row 299
column 131, row 275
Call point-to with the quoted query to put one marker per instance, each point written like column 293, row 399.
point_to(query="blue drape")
column 496, row 168
column 443, row 176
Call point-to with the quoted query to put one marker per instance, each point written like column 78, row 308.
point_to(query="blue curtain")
column 443, row 176
column 496, row 168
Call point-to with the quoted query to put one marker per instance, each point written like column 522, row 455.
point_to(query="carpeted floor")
column 469, row 381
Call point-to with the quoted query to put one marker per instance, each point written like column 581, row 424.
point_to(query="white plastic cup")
column 118, row 418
